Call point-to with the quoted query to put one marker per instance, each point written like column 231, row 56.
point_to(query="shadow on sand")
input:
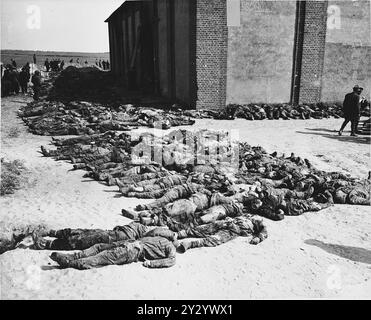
column 347, row 252
column 47, row 268
column 332, row 134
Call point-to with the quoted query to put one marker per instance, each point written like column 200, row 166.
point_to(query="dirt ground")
column 316, row 255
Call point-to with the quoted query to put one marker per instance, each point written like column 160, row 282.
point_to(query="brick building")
column 278, row 51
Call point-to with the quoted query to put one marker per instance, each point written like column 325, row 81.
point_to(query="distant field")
column 22, row 56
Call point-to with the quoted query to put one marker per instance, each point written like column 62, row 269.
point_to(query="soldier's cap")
column 356, row 87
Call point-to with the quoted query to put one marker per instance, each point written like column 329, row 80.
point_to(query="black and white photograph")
column 199, row 151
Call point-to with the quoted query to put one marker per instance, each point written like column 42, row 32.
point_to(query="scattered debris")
column 12, row 176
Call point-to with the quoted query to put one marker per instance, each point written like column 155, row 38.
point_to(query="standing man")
column 36, row 80
column 6, row 86
column 34, row 58
column 14, row 78
column 24, row 78
column 351, row 109
column 47, row 65
column 27, row 68
column 14, row 64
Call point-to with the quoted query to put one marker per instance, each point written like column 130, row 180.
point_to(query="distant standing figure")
column 100, row 63
column 27, row 67
column 36, row 80
column 96, row 62
column 24, row 77
column 34, row 58
column 14, row 64
column 6, row 83
column 62, row 65
column 47, row 65
column 107, row 65
column 86, row 61
column 71, row 61
column 351, row 109
column 104, row 65
column 14, row 78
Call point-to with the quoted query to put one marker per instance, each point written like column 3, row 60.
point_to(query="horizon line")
column 53, row 51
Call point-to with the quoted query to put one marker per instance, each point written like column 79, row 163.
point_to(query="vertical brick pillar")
column 211, row 53
column 312, row 51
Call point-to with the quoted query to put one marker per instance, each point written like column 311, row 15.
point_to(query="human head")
column 357, row 89
column 255, row 203
column 245, row 225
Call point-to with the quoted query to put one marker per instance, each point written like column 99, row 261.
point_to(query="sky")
column 56, row 25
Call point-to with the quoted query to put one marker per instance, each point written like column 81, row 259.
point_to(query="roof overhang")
column 122, row 7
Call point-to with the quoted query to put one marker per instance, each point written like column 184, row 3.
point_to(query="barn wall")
column 181, row 49
column 163, row 48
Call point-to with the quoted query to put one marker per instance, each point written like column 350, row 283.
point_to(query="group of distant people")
column 102, row 64
column 14, row 81
column 54, row 65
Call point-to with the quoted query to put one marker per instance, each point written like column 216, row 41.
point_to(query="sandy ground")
column 316, row 255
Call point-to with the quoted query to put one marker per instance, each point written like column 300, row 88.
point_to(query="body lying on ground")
column 275, row 207
column 156, row 250
column 218, row 232
column 80, row 239
column 135, row 242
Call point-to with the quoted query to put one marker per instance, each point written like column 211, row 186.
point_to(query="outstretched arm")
column 161, row 232
column 214, row 240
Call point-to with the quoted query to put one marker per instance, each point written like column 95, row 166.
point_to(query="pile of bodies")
column 280, row 111
column 150, row 166
column 75, row 83
column 364, row 127
column 78, row 118
column 61, row 115
column 207, row 190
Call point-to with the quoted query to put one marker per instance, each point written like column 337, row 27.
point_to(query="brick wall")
column 260, row 52
column 313, row 51
column 348, row 50
column 211, row 53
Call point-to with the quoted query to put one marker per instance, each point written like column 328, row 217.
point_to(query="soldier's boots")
column 188, row 244
column 64, row 260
